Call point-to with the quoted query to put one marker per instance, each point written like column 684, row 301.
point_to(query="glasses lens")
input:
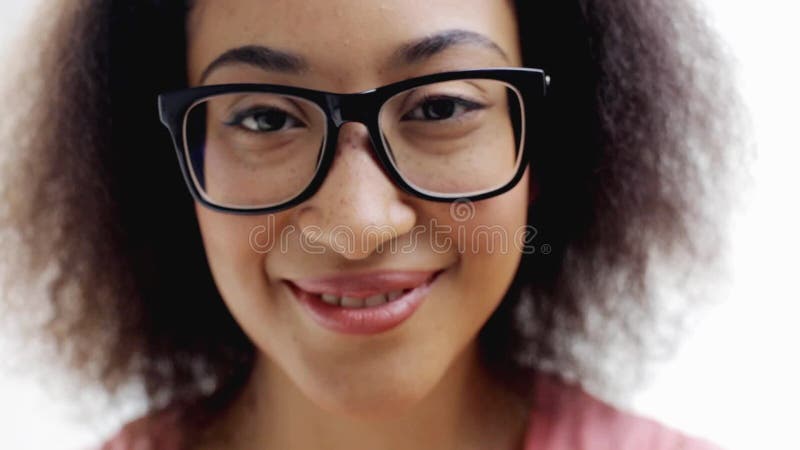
column 455, row 138
column 251, row 150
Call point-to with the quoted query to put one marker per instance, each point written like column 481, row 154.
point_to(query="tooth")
column 394, row 295
column 351, row 302
column 375, row 300
column 330, row 299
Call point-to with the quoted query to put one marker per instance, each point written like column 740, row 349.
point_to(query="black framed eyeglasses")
column 261, row 148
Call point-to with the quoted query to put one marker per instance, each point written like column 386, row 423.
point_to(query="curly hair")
column 634, row 146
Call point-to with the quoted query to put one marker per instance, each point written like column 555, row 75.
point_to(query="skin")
column 419, row 385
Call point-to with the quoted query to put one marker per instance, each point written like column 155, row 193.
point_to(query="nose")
column 358, row 209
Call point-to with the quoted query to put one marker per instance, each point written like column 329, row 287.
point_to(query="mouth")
column 364, row 303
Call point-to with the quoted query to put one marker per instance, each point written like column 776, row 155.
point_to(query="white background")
column 740, row 367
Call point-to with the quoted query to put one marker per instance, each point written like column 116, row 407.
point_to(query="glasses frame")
column 362, row 107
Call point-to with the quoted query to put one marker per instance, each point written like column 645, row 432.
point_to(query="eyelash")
column 467, row 105
column 459, row 101
column 240, row 117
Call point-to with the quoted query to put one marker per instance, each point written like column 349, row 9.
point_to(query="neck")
column 466, row 409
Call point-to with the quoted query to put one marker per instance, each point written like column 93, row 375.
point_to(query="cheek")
column 489, row 235
column 492, row 230
column 233, row 247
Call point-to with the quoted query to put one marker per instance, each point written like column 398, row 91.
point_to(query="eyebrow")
column 419, row 50
column 273, row 60
column 265, row 58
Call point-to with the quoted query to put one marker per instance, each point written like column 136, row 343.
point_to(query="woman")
column 358, row 267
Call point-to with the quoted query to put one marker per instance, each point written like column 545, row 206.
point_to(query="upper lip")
column 365, row 284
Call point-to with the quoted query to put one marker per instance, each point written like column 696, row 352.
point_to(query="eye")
column 265, row 120
column 441, row 108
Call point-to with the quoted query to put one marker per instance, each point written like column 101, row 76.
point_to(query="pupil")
column 271, row 120
column 439, row 109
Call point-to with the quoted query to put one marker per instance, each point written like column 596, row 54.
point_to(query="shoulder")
column 159, row 430
column 565, row 417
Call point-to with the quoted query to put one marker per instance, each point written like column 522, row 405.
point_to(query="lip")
column 368, row 320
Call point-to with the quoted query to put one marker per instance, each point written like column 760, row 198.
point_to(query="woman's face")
column 345, row 362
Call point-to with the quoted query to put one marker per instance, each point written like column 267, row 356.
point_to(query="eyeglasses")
column 262, row 148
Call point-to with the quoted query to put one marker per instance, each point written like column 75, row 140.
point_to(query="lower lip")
column 368, row 320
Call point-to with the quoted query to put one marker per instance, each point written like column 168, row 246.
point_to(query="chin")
column 366, row 400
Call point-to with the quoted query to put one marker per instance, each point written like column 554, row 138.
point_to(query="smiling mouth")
column 365, row 290
column 366, row 303
column 355, row 302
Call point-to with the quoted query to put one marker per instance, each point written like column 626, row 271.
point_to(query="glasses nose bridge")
column 358, row 107
column 362, row 107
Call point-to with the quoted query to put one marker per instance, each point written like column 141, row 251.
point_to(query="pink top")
column 564, row 417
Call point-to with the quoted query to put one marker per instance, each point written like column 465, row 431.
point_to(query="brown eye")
column 265, row 120
column 441, row 108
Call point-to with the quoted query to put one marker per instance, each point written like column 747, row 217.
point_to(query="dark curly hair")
column 635, row 145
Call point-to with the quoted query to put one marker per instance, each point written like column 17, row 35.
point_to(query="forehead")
column 348, row 43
